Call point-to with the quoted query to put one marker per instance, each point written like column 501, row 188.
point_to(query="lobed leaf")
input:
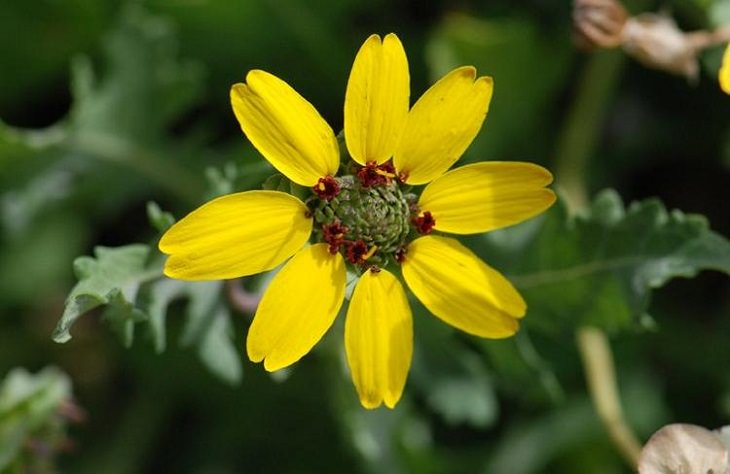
column 128, row 283
column 112, row 278
column 599, row 268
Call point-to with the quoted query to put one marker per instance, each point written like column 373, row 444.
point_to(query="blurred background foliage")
column 106, row 106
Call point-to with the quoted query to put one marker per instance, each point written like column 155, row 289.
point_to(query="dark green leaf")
column 600, row 267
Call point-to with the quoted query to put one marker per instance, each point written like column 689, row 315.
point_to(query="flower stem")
column 600, row 372
column 575, row 148
column 584, row 122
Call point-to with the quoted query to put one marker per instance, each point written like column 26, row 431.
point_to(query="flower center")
column 368, row 220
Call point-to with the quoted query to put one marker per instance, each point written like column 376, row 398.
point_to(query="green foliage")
column 141, row 62
column 131, row 101
column 129, row 285
column 113, row 278
column 600, row 267
column 450, row 377
column 34, row 411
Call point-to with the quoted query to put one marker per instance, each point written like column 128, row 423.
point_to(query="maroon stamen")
column 373, row 174
column 327, row 188
column 400, row 255
column 424, row 223
column 334, row 235
column 388, row 168
column 356, row 251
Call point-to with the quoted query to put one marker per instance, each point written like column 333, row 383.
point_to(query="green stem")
column 578, row 141
column 600, row 372
column 575, row 148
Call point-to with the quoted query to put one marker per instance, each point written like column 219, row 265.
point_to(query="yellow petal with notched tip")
column 442, row 125
column 379, row 339
column 486, row 196
column 236, row 235
column 298, row 307
column 376, row 101
column 724, row 75
column 285, row 128
column 458, row 287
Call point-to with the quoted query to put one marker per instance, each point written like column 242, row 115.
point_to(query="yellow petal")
column 455, row 285
column 442, row 124
column 486, row 196
column 298, row 307
column 236, row 235
column 725, row 71
column 285, row 128
column 379, row 339
column 376, row 101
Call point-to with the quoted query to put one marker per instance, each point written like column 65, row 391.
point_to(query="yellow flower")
column 724, row 75
column 366, row 218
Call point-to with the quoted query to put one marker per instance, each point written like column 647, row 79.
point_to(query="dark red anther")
column 368, row 176
column 424, row 223
column 400, row 255
column 388, row 168
column 373, row 174
column 357, row 251
column 327, row 188
column 334, row 235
